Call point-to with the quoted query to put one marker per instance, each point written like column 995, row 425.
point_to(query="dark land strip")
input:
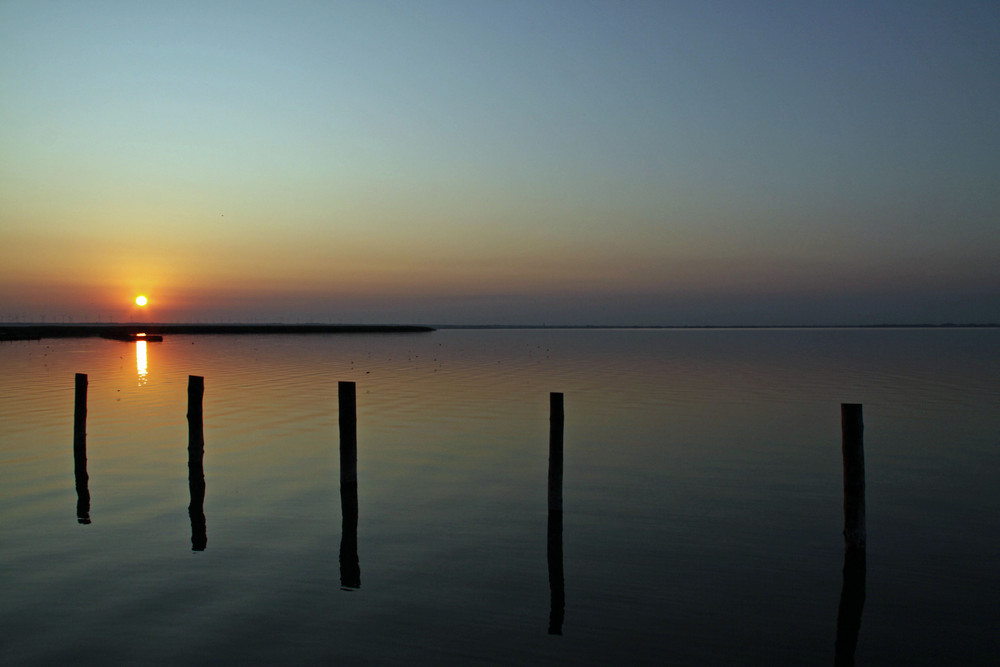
column 124, row 331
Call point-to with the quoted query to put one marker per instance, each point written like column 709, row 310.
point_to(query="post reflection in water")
column 196, row 484
column 82, row 490
column 557, row 584
column 196, row 469
column 350, row 564
column 140, row 361
column 852, row 603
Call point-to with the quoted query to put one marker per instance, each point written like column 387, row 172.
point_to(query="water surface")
column 702, row 496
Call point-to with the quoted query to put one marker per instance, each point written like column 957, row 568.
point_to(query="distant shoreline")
column 35, row 331
column 947, row 325
column 38, row 331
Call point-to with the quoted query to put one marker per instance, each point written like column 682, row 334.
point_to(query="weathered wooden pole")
column 196, row 391
column 196, row 468
column 350, row 567
column 80, row 413
column 852, row 593
column 554, row 547
column 853, row 449
column 80, row 450
column 555, row 451
column 347, row 399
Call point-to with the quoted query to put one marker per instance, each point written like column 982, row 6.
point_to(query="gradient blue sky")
column 501, row 162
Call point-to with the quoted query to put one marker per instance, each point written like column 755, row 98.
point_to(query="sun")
column 140, row 300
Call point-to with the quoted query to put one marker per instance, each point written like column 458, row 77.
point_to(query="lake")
column 702, row 496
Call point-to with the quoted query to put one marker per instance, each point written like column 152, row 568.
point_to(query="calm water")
column 702, row 499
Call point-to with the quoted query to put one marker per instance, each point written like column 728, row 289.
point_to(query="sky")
column 501, row 162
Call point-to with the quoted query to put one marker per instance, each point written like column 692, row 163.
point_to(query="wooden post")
column 555, row 451
column 196, row 468
column 557, row 589
column 346, row 394
column 80, row 413
column 80, row 450
column 196, row 391
column 350, row 567
column 853, row 448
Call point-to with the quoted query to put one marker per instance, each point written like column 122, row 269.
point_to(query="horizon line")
column 481, row 325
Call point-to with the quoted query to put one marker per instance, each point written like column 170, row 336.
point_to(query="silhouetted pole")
column 347, row 399
column 80, row 413
column 853, row 448
column 196, row 468
column 555, row 451
column 852, row 593
column 350, row 567
column 80, row 450
column 196, row 391
column 557, row 589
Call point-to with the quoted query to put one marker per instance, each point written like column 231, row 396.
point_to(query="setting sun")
column 140, row 300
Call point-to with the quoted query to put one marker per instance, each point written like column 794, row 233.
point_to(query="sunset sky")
column 576, row 162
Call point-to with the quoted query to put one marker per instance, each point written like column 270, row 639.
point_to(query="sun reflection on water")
column 140, row 361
